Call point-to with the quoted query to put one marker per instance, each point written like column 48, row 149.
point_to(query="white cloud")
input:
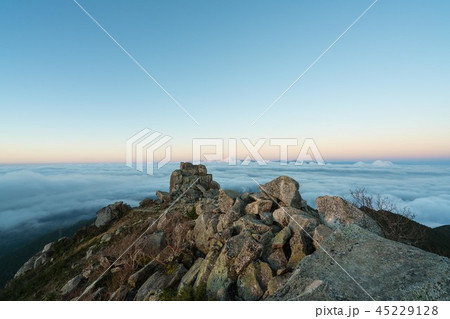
column 41, row 198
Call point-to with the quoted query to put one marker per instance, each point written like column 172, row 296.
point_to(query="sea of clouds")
column 35, row 199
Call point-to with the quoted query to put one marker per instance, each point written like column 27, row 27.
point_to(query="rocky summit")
column 200, row 242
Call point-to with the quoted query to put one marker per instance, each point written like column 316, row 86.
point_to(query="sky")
column 68, row 93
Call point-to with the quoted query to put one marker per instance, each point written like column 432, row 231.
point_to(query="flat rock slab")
column 387, row 270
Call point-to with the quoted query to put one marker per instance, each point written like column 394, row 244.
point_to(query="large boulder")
column 385, row 269
column 71, row 285
column 285, row 190
column 111, row 213
column 27, row 266
column 337, row 212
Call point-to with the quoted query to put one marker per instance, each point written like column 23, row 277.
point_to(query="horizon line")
column 333, row 160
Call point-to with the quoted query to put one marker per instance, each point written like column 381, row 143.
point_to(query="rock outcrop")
column 111, row 213
column 200, row 242
column 337, row 212
column 193, row 179
column 285, row 190
column 386, row 270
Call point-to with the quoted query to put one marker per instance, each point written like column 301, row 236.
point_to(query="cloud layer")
column 39, row 198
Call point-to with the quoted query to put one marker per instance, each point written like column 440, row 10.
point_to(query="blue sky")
column 68, row 93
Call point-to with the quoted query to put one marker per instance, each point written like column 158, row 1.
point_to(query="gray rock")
column 119, row 230
column 266, row 218
column 27, row 266
column 182, row 179
column 251, row 250
column 110, row 213
column 320, row 234
column 219, row 280
column 304, row 222
column 265, row 274
column 120, row 294
column 299, row 248
column 337, row 212
column 283, row 215
column 48, row 248
column 161, row 279
column 155, row 243
column 256, row 196
column 277, row 260
column 259, row 206
column 227, row 199
column 99, row 294
column 106, row 238
column 226, row 220
column 201, row 189
column 136, row 279
column 266, row 240
column 205, row 269
column 276, row 283
column 253, row 225
column 285, row 190
column 90, row 251
column 281, row 238
column 238, row 206
column 214, row 185
column 205, row 230
column 189, row 278
column 71, row 285
column 233, row 245
column 164, row 197
column 246, row 197
column 248, row 286
column 41, row 260
column 387, row 270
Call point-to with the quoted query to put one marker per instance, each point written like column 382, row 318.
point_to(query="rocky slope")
column 200, row 242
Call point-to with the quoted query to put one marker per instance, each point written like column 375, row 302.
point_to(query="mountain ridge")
column 201, row 242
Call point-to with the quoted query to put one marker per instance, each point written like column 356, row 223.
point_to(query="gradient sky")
column 69, row 94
